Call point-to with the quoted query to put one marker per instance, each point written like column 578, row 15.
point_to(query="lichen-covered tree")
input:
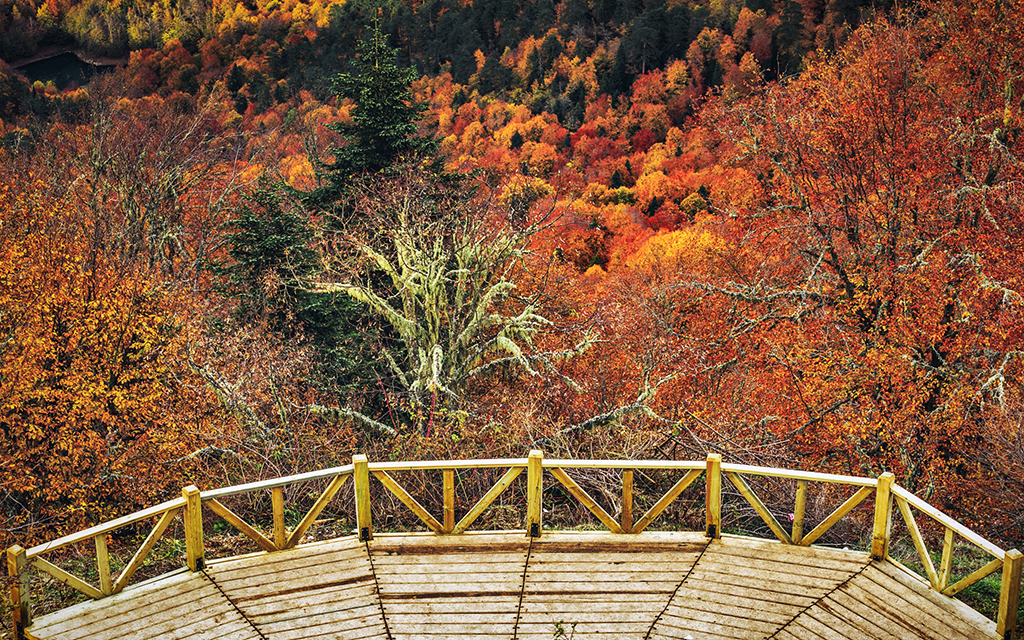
column 436, row 266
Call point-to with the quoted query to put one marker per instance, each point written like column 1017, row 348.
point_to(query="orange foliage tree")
column 884, row 277
column 87, row 420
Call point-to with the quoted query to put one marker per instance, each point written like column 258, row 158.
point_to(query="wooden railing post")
column 361, row 481
column 534, row 492
column 17, row 568
column 1009, row 595
column 713, row 496
column 883, row 517
column 194, row 528
column 448, row 480
column 627, row 500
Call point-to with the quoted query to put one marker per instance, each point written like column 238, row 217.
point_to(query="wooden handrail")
column 438, row 465
column 551, row 463
column 798, row 475
column 273, row 483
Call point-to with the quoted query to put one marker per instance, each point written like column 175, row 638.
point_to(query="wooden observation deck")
column 624, row 582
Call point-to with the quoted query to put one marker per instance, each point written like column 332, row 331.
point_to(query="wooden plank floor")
column 504, row 586
column 451, row 587
column 608, row 588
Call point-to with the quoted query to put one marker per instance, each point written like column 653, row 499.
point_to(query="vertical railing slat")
column 449, row 499
column 627, row 500
column 103, row 564
column 798, row 511
column 277, row 504
column 946, row 566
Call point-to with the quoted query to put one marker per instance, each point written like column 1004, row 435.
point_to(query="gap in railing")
column 779, row 495
column 426, row 487
column 335, row 521
column 563, row 511
column 168, row 554
column 685, row 513
column 965, row 559
column 257, row 510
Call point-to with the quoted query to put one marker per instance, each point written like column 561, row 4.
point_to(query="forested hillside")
column 282, row 233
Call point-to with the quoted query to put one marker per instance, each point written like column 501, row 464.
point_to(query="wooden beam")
column 61, row 575
column 409, row 501
column 1009, row 595
column 946, row 566
column 713, row 496
column 320, row 474
column 439, row 465
column 686, row 465
column 361, row 482
column 666, row 500
column 103, row 564
column 106, row 527
column 836, row 515
column 759, row 507
column 883, row 517
column 21, row 603
column 448, row 482
column 748, row 470
column 627, row 500
column 147, row 546
column 922, row 548
column 488, row 498
column 314, row 511
column 799, row 506
column 237, row 522
column 946, row 521
column 196, row 555
column 277, row 507
column 587, row 501
column 959, row 586
column 534, row 492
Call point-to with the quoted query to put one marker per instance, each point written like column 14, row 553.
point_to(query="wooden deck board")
column 742, row 591
column 588, row 579
column 659, row 586
column 458, row 586
column 310, row 591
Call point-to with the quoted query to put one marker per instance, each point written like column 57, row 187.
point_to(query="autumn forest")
column 282, row 232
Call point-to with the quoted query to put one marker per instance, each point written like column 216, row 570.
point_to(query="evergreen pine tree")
column 384, row 126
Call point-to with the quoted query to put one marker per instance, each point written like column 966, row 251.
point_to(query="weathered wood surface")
column 506, row 585
column 323, row 590
column 606, row 585
column 458, row 586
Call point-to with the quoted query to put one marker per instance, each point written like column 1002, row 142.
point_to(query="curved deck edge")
column 504, row 585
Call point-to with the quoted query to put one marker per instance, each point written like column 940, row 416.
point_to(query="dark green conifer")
column 384, row 127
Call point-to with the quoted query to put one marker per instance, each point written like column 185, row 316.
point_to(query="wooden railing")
column 193, row 502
